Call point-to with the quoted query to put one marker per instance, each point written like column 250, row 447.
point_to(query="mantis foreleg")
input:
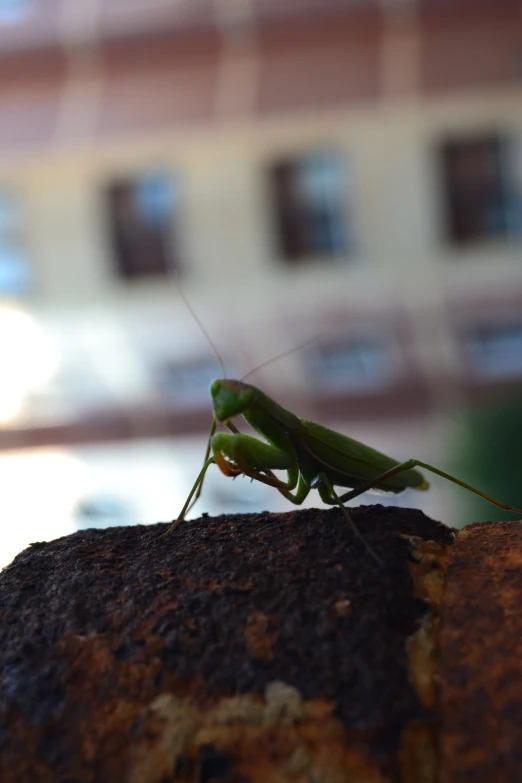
column 213, row 428
column 242, row 464
column 256, row 458
column 285, row 488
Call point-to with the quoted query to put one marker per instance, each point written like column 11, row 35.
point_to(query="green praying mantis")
column 313, row 456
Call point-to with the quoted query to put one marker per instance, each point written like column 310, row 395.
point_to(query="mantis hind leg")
column 416, row 463
column 328, row 495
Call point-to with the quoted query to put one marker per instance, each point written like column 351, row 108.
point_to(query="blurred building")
column 343, row 169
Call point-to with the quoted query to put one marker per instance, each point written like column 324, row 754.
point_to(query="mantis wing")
column 354, row 463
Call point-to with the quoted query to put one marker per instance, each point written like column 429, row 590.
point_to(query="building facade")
column 346, row 170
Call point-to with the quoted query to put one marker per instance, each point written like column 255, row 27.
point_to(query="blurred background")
column 343, row 169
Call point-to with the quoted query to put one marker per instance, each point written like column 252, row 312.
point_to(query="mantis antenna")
column 215, row 349
column 283, row 354
column 201, row 326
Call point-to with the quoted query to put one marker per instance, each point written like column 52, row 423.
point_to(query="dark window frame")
column 143, row 233
column 481, row 196
column 310, row 217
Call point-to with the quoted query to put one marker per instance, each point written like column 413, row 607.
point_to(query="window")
column 141, row 215
column 308, row 195
column 14, row 268
column 359, row 364
column 495, row 351
column 482, row 200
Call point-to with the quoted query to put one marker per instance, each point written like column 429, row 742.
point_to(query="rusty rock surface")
column 265, row 647
column 480, row 668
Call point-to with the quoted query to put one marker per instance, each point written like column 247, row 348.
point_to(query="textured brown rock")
column 259, row 648
column 481, row 657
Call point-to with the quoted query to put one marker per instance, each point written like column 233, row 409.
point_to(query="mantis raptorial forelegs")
column 238, row 468
column 201, row 477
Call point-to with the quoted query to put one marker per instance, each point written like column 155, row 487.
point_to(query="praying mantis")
column 313, row 456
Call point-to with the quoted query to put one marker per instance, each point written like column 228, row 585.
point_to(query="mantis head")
column 230, row 398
